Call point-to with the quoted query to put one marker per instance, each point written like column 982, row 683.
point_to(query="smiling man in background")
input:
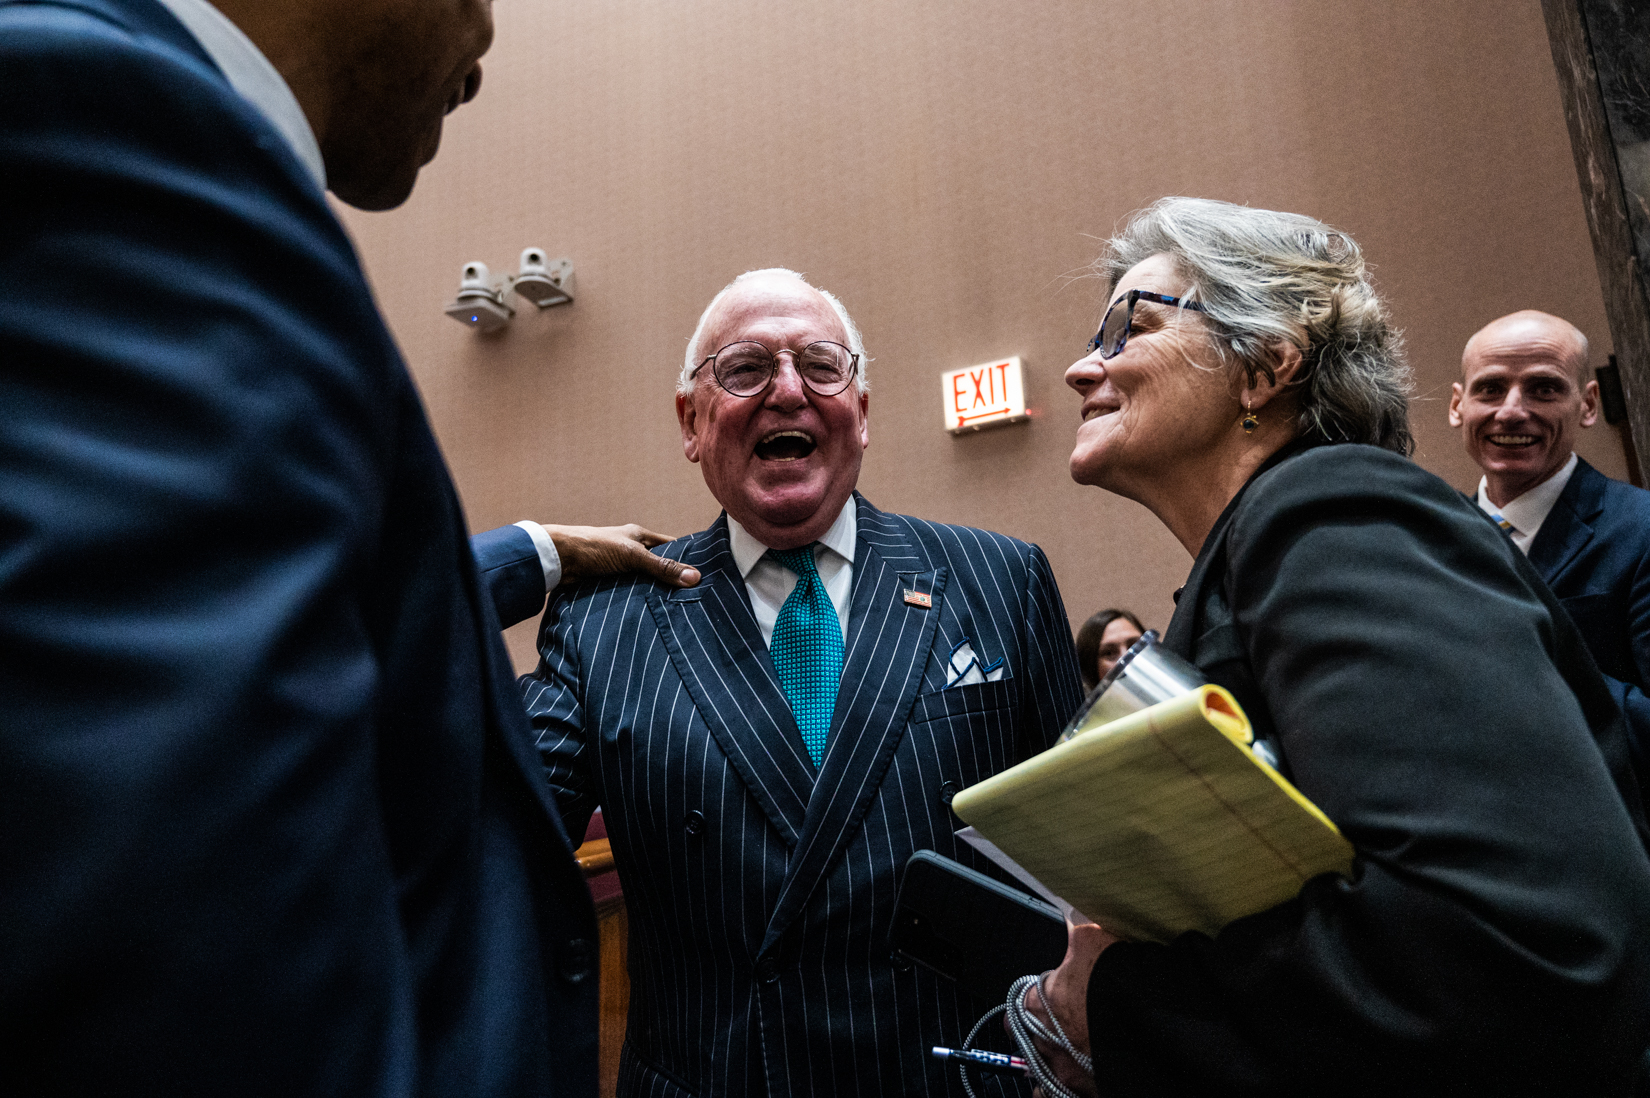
column 1523, row 397
column 770, row 746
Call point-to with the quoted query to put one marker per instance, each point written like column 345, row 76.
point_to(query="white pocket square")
column 965, row 666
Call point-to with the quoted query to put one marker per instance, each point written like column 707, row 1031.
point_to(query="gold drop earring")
column 1249, row 421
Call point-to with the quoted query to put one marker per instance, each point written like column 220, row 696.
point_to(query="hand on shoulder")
column 590, row 552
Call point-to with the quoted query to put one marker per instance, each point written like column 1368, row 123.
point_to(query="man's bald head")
column 1527, row 332
column 1522, row 399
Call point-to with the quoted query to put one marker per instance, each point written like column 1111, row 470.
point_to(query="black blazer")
column 270, row 818
column 1594, row 552
column 1425, row 689
column 761, row 890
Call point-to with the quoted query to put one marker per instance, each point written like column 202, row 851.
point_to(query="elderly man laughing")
column 771, row 745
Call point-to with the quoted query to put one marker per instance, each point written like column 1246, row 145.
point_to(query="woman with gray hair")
column 1415, row 677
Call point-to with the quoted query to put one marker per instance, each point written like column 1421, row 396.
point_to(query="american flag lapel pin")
column 919, row 598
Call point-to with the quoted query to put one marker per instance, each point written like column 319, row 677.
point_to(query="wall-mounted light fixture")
column 482, row 304
column 544, row 284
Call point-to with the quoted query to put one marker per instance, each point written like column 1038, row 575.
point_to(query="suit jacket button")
column 695, row 822
column 575, row 962
column 947, row 791
column 767, row 971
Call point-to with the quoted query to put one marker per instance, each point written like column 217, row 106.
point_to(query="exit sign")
column 984, row 395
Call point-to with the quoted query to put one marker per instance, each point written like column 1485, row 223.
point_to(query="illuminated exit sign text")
column 984, row 395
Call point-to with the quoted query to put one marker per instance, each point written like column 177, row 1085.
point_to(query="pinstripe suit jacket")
column 760, row 891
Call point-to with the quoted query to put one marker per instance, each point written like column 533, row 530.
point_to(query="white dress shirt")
column 1528, row 511
column 549, row 559
column 770, row 583
column 250, row 73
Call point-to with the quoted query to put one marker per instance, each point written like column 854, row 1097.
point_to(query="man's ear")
column 864, row 420
column 1286, row 365
column 1589, row 404
column 687, row 414
column 1455, row 395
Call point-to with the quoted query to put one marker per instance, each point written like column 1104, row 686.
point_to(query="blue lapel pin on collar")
column 919, row 598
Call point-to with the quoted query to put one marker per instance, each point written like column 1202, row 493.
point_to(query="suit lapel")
column 1568, row 527
column 716, row 647
column 888, row 645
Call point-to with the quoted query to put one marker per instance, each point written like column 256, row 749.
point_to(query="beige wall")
column 946, row 167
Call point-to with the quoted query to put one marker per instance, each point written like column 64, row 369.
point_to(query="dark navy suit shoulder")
column 938, row 541
column 92, row 25
column 241, row 631
column 1594, row 552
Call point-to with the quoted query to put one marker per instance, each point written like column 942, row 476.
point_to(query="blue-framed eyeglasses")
column 1114, row 329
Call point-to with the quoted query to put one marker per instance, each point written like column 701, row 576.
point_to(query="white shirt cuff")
column 549, row 559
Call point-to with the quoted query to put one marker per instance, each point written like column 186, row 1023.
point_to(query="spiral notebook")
column 1160, row 822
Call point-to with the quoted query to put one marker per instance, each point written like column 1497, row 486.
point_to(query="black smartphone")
column 972, row 929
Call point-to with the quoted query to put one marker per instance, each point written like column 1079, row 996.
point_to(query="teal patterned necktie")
column 807, row 649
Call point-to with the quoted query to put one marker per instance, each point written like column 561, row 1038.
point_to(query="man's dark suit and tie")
column 271, row 822
column 1520, row 403
column 759, row 834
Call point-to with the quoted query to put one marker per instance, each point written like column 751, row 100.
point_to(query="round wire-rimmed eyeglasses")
column 746, row 368
column 1113, row 335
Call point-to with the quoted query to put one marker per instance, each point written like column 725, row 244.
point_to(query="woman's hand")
column 1067, row 989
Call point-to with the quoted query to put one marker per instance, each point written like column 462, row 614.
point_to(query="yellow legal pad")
column 1160, row 822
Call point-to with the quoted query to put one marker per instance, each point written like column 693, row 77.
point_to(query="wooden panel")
column 1606, row 118
column 613, row 928
column 595, row 856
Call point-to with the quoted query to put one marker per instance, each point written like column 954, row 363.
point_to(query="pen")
column 999, row 1062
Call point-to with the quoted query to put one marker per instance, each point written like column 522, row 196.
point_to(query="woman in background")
column 1102, row 640
column 1415, row 677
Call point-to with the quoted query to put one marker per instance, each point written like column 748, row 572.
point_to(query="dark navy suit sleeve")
column 1594, row 551
column 554, row 699
column 1634, row 702
column 511, row 572
column 261, row 828
column 1625, row 647
column 1430, row 698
